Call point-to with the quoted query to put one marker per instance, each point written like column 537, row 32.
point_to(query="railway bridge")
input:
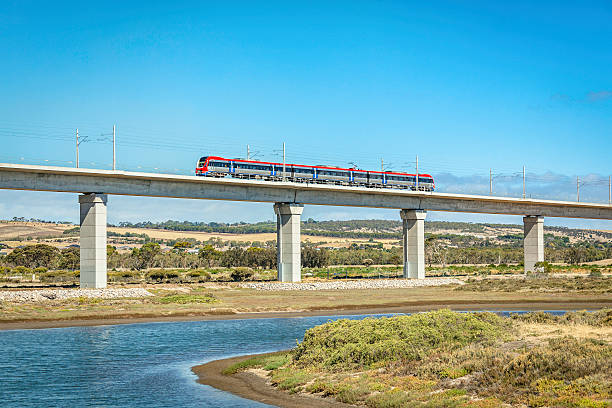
column 288, row 199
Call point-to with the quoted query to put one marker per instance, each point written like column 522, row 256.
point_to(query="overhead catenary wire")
column 299, row 153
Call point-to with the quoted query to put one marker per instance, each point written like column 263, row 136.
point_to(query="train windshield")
column 202, row 161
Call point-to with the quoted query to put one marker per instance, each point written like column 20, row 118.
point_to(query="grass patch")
column 187, row 298
column 540, row 284
column 291, row 379
column 267, row 362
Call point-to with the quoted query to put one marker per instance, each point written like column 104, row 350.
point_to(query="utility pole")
column 248, row 153
column 490, row 181
column 382, row 165
column 610, row 190
column 114, row 157
column 283, row 161
column 77, row 147
column 417, row 172
column 578, row 188
column 524, row 182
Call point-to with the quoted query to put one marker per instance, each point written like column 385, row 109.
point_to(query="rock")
column 352, row 284
column 42, row 295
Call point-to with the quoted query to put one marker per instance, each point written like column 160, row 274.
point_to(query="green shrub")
column 353, row 344
column 156, row 275
column 40, row 269
column 241, row 274
column 171, row 275
column 22, row 270
column 161, row 275
column 564, row 359
column 595, row 273
column 200, row 275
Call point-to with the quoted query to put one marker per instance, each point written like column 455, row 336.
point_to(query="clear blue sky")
column 467, row 86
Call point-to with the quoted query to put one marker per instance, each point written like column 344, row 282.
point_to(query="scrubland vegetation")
column 368, row 242
column 450, row 359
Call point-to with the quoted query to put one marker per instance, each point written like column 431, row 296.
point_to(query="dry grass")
column 261, row 237
column 12, row 229
column 231, row 299
column 533, row 331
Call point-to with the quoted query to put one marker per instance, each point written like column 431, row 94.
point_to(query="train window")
column 376, row 176
column 425, row 180
column 397, row 178
column 251, row 166
column 328, row 173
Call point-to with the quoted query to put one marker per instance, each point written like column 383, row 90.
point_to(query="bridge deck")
column 63, row 179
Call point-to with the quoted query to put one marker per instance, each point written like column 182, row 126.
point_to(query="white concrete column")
column 288, row 249
column 93, row 240
column 533, row 244
column 413, row 238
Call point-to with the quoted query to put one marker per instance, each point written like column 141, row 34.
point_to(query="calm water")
column 133, row 365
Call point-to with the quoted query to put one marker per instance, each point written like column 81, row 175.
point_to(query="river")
column 134, row 365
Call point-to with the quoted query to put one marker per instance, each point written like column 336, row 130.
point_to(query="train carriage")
column 213, row 166
column 333, row 175
column 360, row 177
column 302, row 173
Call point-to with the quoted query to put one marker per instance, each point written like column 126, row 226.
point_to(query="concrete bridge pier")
column 288, row 249
column 413, row 239
column 93, row 240
column 533, row 244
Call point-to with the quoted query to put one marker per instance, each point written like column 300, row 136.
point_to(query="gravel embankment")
column 352, row 284
column 22, row 296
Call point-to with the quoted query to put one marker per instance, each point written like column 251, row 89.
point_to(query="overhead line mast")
column 114, row 157
column 77, row 148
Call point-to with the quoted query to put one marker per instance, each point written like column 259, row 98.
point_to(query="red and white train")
column 213, row 166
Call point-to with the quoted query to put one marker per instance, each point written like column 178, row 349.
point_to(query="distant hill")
column 374, row 229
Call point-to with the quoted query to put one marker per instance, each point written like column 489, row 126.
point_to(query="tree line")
column 150, row 255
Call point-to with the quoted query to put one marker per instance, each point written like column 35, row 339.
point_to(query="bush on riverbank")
column 364, row 343
column 450, row 359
